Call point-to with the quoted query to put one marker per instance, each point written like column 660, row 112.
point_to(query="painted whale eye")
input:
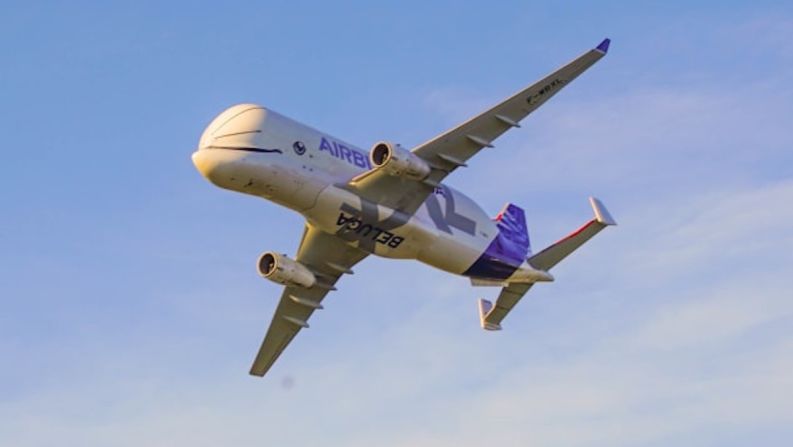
column 299, row 147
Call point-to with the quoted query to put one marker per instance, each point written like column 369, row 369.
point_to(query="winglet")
column 485, row 307
column 604, row 46
column 601, row 213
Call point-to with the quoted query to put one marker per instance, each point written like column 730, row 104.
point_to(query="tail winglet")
column 601, row 213
column 485, row 307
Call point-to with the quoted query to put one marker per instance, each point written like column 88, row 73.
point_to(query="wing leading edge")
column 329, row 258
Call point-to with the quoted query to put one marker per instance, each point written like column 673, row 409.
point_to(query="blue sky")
column 130, row 309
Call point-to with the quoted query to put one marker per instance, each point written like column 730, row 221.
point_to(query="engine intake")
column 283, row 270
column 399, row 162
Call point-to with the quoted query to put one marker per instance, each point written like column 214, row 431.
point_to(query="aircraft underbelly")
column 365, row 225
column 392, row 234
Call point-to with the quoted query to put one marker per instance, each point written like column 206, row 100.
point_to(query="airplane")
column 390, row 202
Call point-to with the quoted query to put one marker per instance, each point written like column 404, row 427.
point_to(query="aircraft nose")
column 204, row 163
column 238, row 126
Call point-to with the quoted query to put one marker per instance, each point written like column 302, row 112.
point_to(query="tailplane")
column 552, row 255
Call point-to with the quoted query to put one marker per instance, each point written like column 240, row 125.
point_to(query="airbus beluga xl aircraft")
column 391, row 202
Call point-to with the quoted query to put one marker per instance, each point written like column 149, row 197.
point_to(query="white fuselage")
column 256, row 151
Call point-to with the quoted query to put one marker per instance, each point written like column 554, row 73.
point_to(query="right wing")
column 454, row 148
column 328, row 257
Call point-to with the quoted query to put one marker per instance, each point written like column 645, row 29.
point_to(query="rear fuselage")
column 253, row 150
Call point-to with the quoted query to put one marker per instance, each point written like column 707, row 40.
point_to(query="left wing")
column 454, row 148
column 328, row 257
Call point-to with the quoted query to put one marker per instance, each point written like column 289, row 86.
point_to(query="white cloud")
column 729, row 311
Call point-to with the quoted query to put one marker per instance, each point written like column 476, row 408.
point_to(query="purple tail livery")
column 509, row 248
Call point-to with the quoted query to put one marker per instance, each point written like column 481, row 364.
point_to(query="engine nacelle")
column 399, row 162
column 283, row 270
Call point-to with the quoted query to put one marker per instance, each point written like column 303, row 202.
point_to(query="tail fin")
column 552, row 255
column 513, row 233
column 507, row 251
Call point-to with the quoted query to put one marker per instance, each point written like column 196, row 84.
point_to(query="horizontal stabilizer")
column 552, row 255
column 490, row 315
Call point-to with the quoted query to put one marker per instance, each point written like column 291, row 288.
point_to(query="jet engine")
column 399, row 162
column 283, row 270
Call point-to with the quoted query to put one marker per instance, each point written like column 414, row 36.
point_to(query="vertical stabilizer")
column 513, row 233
